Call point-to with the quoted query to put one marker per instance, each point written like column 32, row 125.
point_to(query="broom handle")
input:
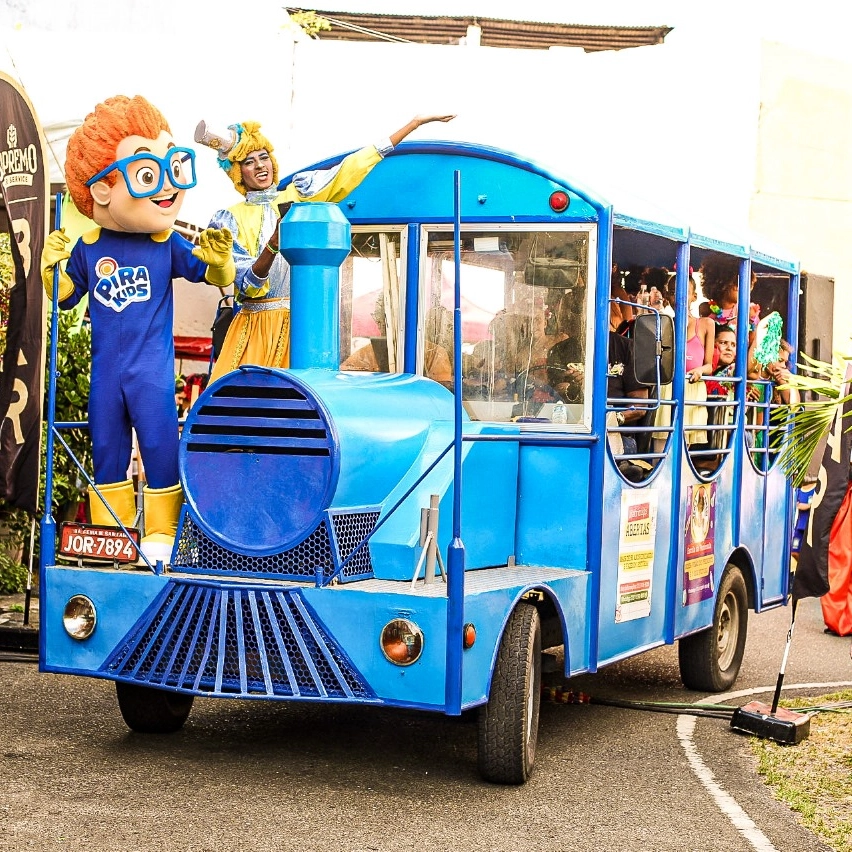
column 780, row 681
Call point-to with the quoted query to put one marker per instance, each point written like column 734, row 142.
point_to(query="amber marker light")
column 559, row 201
column 401, row 642
column 468, row 635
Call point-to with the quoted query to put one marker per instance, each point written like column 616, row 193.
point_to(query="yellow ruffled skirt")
column 256, row 336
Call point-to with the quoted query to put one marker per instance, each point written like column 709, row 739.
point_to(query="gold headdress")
column 244, row 138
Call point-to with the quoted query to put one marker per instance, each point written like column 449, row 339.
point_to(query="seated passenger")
column 721, row 285
column 621, row 385
column 718, row 390
column 779, row 373
column 619, row 313
column 700, row 344
column 533, row 349
column 437, row 364
column 724, row 358
column 565, row 358
column 493, row 364
column 656, row 281
column 699, row 362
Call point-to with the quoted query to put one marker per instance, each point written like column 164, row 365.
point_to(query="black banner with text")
column 25, row 185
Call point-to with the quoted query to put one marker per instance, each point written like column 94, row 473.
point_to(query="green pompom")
column 768, row 347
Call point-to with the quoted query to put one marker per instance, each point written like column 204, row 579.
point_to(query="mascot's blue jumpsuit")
column 131, row 309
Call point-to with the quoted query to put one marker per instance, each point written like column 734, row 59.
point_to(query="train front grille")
column 227, row 640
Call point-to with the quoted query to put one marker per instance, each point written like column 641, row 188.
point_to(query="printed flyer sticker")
column 638, row 529
column 698, row 555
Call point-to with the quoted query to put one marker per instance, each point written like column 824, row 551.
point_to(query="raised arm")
column 335, row 183
column 417, row 121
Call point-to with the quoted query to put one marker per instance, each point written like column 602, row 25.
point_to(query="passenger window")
column 370, row 303
column 523, row 308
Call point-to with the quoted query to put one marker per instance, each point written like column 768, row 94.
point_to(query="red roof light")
column 559, row 201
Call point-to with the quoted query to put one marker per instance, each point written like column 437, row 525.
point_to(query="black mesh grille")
column 350, row 530
column 197, row 552
column 235, row 641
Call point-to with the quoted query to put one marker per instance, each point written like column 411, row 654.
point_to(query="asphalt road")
column 246, row 775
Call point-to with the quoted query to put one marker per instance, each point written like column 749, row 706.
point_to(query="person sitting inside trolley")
column 566, row 374
column 373, row 355
column 720, row 391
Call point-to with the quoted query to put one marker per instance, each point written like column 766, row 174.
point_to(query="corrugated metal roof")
column 495, row 32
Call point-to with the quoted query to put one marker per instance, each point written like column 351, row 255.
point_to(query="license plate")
column 84, row 541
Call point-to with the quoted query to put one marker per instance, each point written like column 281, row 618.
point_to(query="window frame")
column 584, row 424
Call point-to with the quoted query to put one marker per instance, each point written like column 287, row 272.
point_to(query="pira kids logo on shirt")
column 120, row 286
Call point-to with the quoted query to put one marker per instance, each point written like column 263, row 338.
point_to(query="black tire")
column 710, row 660
column 152, row 711
column 508, row 722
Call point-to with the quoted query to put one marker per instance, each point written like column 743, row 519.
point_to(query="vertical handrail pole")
column 678, row 439
column 47, row 555
column 455, row 552
column 741, row 391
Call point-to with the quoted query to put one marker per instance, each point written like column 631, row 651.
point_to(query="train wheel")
column 508, row 722
column 710, row 660
column 152, row 711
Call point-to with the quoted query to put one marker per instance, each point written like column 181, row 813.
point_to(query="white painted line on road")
column 726, row 802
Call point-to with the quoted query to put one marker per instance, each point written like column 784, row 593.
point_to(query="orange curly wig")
column 93, row 144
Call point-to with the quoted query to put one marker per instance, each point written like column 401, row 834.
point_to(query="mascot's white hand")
column 215, row 248
column 55, row 251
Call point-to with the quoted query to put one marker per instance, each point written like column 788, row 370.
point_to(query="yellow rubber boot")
column 162, row 511
column 119, row 497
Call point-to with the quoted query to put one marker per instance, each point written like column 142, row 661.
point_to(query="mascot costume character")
column 125, row 173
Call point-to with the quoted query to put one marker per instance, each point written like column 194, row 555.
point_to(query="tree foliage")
column 74, row 355
column 7, row 281
column 310, row 22
column 822, row 388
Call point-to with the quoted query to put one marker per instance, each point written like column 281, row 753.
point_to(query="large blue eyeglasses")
column 145, row 173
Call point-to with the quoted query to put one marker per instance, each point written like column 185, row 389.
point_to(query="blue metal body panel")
column 553, row 506
column 618, row 638
column 493, row 182
column 188, row 635
column 490, row 472
column 120, row 598
column 354, row 459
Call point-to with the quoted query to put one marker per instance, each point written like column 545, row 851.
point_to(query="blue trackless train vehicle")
column 443, row 485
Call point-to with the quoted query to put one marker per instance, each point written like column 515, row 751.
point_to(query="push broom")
column 774, row 723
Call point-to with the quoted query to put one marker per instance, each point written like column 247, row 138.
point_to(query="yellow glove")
column 54, row 252
column 215, row 248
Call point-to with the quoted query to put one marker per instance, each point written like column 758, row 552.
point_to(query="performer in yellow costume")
column 260, row 332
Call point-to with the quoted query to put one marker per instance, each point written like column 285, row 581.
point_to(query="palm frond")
column 805, row 424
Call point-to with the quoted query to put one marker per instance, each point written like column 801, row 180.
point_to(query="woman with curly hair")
column 721, row 285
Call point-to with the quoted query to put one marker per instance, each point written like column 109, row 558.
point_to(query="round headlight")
column 402, row 642
column 79, row 618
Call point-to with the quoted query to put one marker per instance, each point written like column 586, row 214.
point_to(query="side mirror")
column 653, row 339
